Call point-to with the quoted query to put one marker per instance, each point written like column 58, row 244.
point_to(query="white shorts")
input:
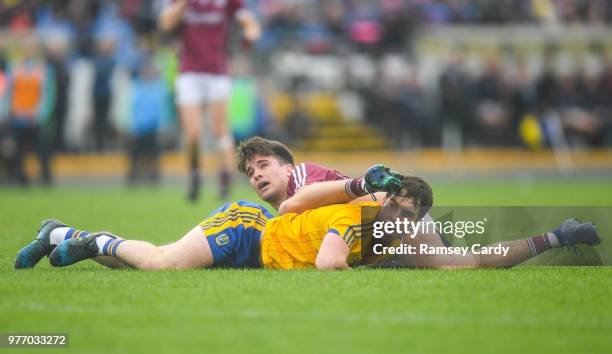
column 200, row 88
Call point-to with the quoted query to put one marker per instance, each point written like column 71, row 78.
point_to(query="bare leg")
column 423, row 260
column 190, row 252
column 191, row 119
column 111, row 262
column 222, row 132
column 518, row 251
column 225, row 145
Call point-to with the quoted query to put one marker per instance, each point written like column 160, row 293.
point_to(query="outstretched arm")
column 320, row 194
column 315, row 186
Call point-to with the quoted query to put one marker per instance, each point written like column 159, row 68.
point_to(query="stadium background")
column 495, row 102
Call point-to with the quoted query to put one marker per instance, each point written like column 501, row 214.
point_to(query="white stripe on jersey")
column 303, row 174
column 294, row 173
column 298, row 173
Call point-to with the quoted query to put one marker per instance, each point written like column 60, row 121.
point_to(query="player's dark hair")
column 260, row 146
column 419, row 190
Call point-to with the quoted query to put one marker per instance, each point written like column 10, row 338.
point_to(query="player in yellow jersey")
column 233, row 236
column 228, row 237
column 293, row 241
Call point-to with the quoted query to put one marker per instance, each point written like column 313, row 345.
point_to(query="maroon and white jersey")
column 205, row 31
column 309, row 173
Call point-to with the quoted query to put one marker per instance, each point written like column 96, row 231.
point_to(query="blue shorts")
column 233, row 233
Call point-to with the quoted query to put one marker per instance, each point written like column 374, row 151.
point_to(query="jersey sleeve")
column 346, row 232
column 308, row 173
column 346, row 223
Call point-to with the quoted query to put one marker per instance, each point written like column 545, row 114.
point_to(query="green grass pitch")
column 521, row 310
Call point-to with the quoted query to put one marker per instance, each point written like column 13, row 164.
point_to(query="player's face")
column 269, row 177
column 399, row 208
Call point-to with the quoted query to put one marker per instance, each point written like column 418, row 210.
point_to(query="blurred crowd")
column 96, row 75
column 502, row 99
column 507, row 104
column 380, row 26
column 84, row 76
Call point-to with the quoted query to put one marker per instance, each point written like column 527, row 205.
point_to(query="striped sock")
column 107, row 245
column 355, row 187
column 541, row 243
column 60, row 234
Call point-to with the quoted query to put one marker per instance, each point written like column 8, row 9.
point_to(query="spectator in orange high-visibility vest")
column 29, row 102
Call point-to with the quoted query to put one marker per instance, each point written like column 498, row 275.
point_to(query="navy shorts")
column 233, row 233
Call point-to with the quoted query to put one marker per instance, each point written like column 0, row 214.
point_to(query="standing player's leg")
column 23, row 144
column 189, row 97
column 191, row 120
column 219, row 91
column 190, row 252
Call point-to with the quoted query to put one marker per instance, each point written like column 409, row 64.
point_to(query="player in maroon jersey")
column 203, row 82
column 288, row 187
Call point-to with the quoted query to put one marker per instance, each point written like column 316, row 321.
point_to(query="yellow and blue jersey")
column 233, row 233
column 292, row 241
